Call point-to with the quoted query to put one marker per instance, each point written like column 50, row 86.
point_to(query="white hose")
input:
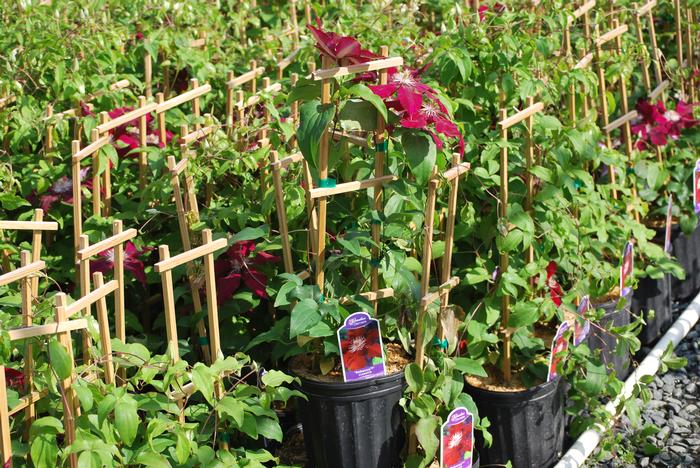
column 589, row 440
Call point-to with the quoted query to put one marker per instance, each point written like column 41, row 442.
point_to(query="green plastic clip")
column 326, row 183
column 382, row 146
column 375, row 262
column 442, row 344
column 203, row 340
column 224, row 437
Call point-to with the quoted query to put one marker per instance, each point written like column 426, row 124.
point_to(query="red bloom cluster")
column 360, row 346
column 416, row 103
column 62, row 190
column 238, row 265
column 132, row 262
column 555, row 290
column 14, row 378
column 497, row 8
column 656, row 124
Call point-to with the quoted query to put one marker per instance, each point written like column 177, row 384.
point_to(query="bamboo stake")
column 36, row 248
column 679, row 39
column 640, row 39
column 160, row 99
column 106, row 175
column 380, row 152
column 229, row 105
column 70, row 409
column 690, row 53
column 182, row 218
column 295, row 23
column 119, row 295
column 281, row 213
column 603, row 110
column 529, row 180
column 148, row 74
column 252, row 84
column 96, row 181
column 77, row 198
column 84, row 271
column 425, row 263
column 103, row 322
column 27, row 320
column 307, row 12
column 49, row 130
column 505, row 300
column 295, row 104
column 169, row 303
column 194, row 83
column 323, row 175
column 654, row 47
column 5, row 435
column 143, row 155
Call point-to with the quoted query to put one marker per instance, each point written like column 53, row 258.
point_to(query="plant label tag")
column 626, row 267
column 696, row 186
column 361, row 350
column 582, row 325
column 457, row 440
column 669, row 222
column 559, row 344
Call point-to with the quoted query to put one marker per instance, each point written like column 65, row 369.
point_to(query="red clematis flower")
column 360, row 346
column 237, row 265
column 14, row 378
column 555, row 290
column 458, row 442
column 657, row 124
column 343, row 50
column 62, row 190
column 132, row 262
column 497, row 8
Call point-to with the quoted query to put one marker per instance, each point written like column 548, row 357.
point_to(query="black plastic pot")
column 687, row 250
column 527, row 427
column 607, row 342
column 357, row 424
column 653, row 294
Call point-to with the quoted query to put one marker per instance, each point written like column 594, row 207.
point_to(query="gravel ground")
column 675, row 409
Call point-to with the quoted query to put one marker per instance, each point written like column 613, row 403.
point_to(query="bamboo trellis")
column 84, row 254
column 61, row 328
column 188, row 213
column 505, row 123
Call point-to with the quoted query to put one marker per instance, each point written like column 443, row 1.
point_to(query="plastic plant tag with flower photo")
column 361, row 351
column 559, row 344
column 581, row 325
column 696, row 186
column 457, row 440
column 626, row 268
column 669, row 223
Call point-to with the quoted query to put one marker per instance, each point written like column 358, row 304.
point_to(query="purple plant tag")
column 559, row 344
column 626, row 267
column 582, row 325
column 361, row 351
column 457, row 440
column 669, row 222
column 696, row 186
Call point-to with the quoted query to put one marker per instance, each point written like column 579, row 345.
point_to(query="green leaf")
column 524, row 314
column 44, row 450
column 470, row 366
column 84, row 394
column 203, row 380
column 304, row 316
column 305, row 90
column 414, row 377
column 421, row 154
column 314, row 118
column 275, row 378
column 60, row 361
column 152, row 459
column 182, row 448
column 10, row 201
column 425, row 432
column 269, row 428
column 233, row 408
column 363, row 92
column 126, row 419
column 438, row 249
column 249, row 233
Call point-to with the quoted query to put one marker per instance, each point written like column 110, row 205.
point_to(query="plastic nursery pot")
column 605, row 341
column 653, row 294
column 687, row 250
column 355, row 424
column 527, row 426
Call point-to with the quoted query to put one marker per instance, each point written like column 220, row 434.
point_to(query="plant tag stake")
column 669, row 222
column 559, row 344
column 457, row 440
column 626, row 267
column 581, row 325
column 696, row 186
column 361, row 351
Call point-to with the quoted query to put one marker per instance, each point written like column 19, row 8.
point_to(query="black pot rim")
column 309, row 386
column 518, row 396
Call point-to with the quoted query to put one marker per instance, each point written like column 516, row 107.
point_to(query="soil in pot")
column 606, row 342
column 653, row 294
column 354, row 424
column 527, row 424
